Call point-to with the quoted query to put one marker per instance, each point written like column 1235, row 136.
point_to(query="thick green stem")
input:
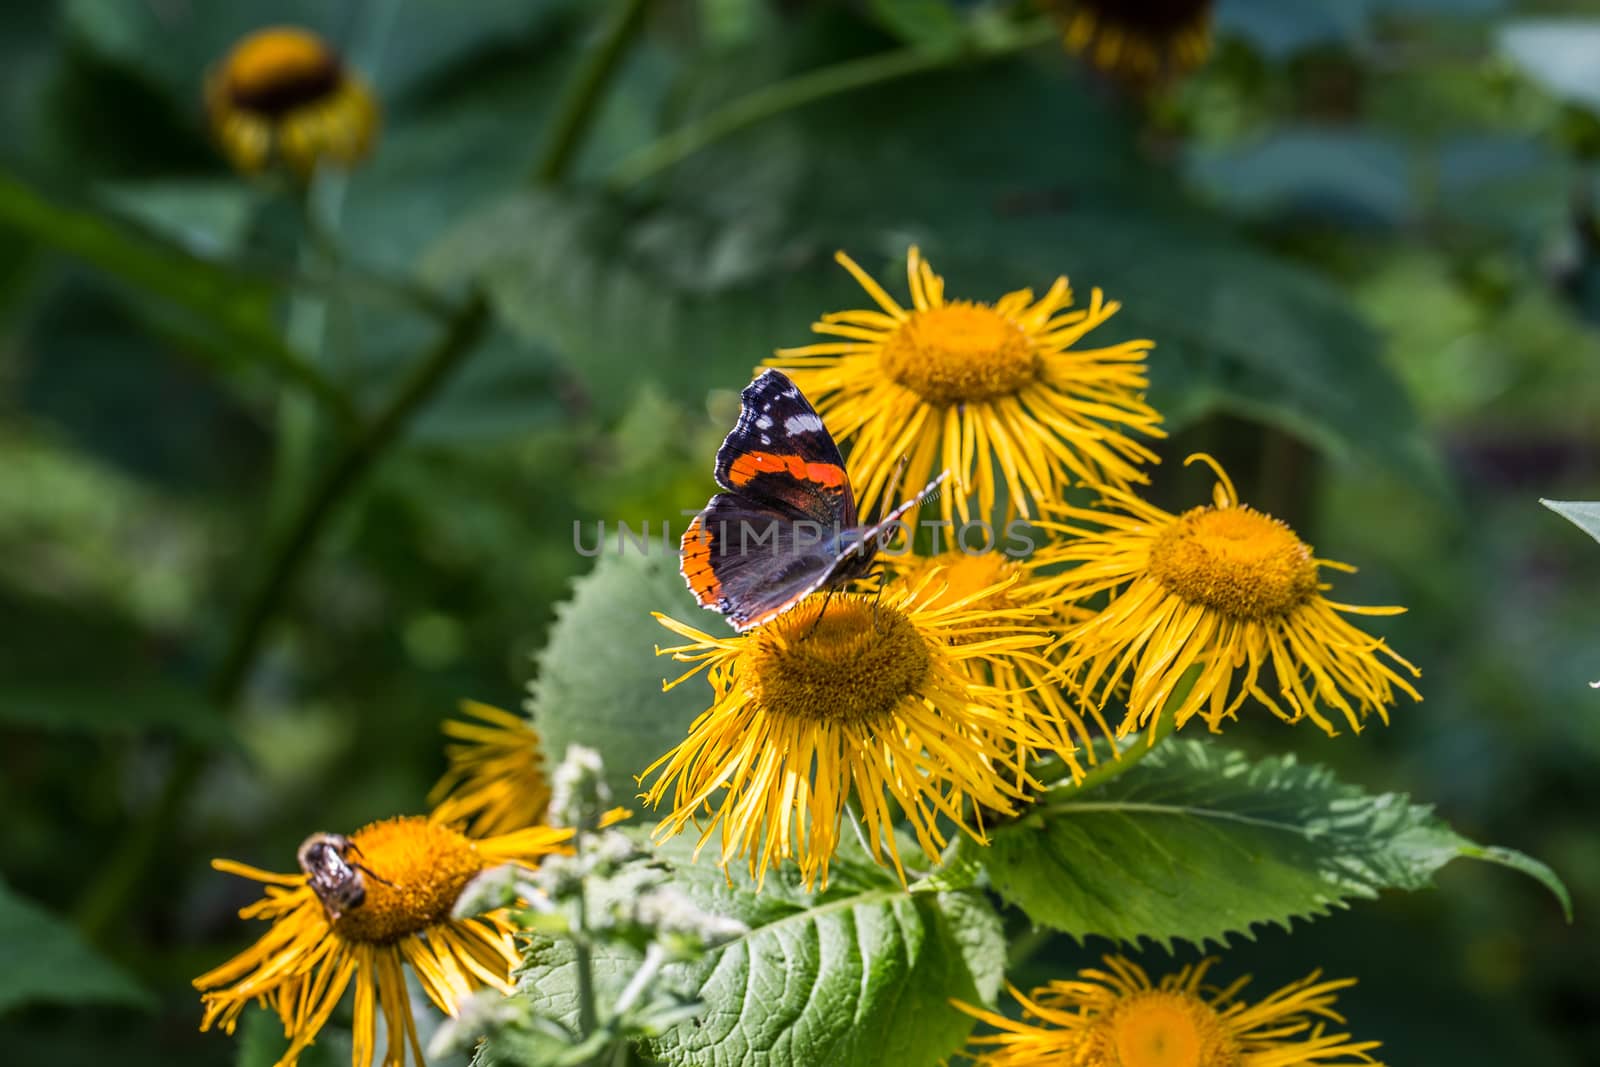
column 808, row 88
column 586, row 91
column 129, row 863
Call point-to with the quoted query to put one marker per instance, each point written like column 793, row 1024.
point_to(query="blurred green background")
column 1364, row 238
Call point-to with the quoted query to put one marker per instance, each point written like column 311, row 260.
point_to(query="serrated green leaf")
column 1198, row 842
column 857, row 976
column 43, row 960
column 599, row 680
column 1584, row 514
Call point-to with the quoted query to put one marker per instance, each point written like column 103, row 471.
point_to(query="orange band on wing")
column 695, row 549
column 751, row 465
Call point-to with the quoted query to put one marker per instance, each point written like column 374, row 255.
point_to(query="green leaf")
column 80, row 707
column 1557, row 54
column 929, row 23
column 858, row 976
column 43, row 960
column 235, row 310
column 700, row 279
column 1197, row 842
column 1584, row 514
column 262, row 1043
column 599, row 681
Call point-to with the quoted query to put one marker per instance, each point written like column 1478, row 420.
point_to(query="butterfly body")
column 786, row 524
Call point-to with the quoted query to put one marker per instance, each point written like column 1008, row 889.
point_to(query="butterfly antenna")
column 891, row 492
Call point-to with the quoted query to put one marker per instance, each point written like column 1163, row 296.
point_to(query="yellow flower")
column 413, row 870
column 994, row 582
column 842, row 697
column 973, row 387
column 1140, row 40
column 283, row 96
column 1223, row 590
column 1117, row 1018
column 496, row 781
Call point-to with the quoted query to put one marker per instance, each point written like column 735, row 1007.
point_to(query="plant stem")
column 586, row 91
column 588, row 1011
column 676, row 146
column 129, row 863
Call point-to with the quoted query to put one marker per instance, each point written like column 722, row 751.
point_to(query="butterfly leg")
column 826, row 597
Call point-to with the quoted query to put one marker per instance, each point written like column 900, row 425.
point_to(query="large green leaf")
column 729, row 255
column 232, row 309
column 1198, row 842
column 1584, row 514
column 42, row 959
column 857, row 976
column 599, row 681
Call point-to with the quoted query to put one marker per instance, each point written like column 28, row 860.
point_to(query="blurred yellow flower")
column 1141, row 40
column 847, row 697
column 996, row 393
column 412, row 870
column 1117, row 1018
column 282, row 96
column 993, row 581
column 496, row 780
column 1223, row 590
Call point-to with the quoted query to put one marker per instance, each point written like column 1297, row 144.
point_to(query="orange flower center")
column 1159, row 1028
column 1236, row 561
column 854, row 664
column 414, row 871
column 274, row 71
column 961, row 352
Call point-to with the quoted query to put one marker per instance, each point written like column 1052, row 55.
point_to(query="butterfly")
column 786, row 526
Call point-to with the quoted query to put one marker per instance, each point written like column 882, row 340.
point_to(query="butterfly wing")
column 781, row 457
column 751, row 563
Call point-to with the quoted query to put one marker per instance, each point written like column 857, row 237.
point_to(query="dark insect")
column 333, row 876
column 787, row 526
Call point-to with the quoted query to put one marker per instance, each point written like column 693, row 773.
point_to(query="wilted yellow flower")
column 1224, row 590
column 1117, row 1018
column 496, row 781
column 1141, row 40
column 996, row 393
column 282, row 96
column 412, row 870
column 847, row 697
column 993, row 581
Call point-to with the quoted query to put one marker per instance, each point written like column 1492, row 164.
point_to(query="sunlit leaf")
column 43, row 960
column 1198, row 842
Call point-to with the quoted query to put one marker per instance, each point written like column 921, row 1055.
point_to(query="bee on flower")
column 363, row 909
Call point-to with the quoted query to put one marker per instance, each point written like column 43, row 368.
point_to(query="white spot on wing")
column 764, row 422
column 804, row 423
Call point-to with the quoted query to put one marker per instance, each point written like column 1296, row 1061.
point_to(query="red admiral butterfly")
column 747, row 554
